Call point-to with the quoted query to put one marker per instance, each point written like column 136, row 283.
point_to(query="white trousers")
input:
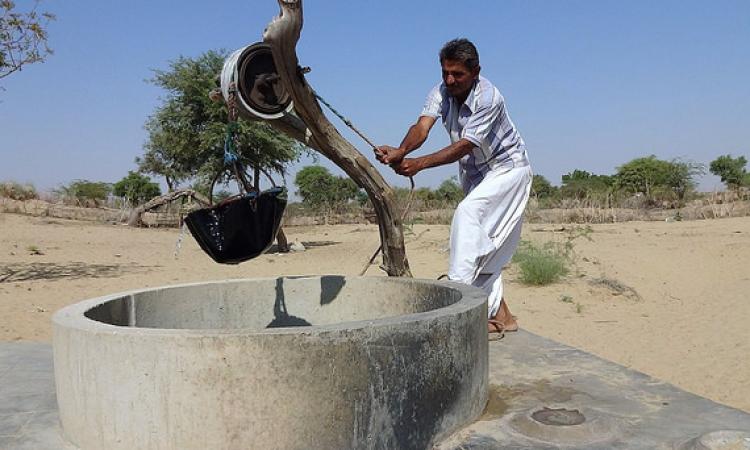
column 486, row 229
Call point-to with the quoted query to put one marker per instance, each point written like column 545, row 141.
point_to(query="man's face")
column 458, row 79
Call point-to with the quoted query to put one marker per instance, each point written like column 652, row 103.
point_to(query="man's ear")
column 476, row 71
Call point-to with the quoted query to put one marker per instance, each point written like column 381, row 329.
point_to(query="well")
column 292, row 362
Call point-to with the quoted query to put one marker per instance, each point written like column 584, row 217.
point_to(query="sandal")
column 496, row 330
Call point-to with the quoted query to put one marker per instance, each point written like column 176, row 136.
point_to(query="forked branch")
column 283, row 34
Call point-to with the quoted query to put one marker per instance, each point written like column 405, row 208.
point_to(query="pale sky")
column 590, row 84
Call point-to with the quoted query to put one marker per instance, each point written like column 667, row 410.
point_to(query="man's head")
column 459, row 60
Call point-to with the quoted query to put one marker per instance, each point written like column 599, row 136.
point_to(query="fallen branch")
column 136, row 214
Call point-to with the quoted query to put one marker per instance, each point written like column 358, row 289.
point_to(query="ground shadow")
column 56, row 271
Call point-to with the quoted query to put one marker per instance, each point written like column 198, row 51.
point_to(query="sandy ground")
column 668, row 299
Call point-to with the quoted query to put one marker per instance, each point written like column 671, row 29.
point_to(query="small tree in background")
column 136, row 188
column 656, row 178
column 580, row 185
column 731, row 171
column 541, row 187
column 85, row 193
column 449, row 191
column 23, row 37
column 320, row 190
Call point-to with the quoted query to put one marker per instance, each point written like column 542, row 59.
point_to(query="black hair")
column 461, row 50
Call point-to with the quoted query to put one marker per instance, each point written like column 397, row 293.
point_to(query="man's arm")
column 414, row 139
column 409, row 167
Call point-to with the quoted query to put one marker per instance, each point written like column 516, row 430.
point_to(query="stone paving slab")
column 28, row 408
column 623, row 409
column 527, row 372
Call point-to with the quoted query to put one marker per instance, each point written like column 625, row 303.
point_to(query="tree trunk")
column 136, row 214
column 281, row 242
column 317, row 132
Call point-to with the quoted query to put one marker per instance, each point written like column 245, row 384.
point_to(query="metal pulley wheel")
column 260, row 92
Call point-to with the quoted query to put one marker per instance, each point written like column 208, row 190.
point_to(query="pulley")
column 260, row 92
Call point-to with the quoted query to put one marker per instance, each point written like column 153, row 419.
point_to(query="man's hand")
column 409, row 167
column 389, row 155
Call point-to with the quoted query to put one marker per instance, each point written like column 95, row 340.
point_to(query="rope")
column 230, row 150
column 231, row 157
column 349, row 124
column 346, row 121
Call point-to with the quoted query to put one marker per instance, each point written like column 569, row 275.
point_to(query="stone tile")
column 35, row 357
column 41, row 422
column 14, row 387
column 9, row 443
column 40, row 432
column 11, row 424
column 48, row 402
column 23, row 381
column 23, row 403
column 8, row 362
column 46, row 440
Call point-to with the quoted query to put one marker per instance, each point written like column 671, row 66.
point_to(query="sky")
column 590, row 84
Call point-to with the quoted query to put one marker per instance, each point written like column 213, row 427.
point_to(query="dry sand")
column 667, row 299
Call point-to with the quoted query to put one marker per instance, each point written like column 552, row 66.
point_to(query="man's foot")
column 504, row 318
column 495, row 330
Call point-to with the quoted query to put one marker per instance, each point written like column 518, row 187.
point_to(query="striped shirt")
column 483, row 120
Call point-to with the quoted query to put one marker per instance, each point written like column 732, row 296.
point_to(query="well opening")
column 273, row 303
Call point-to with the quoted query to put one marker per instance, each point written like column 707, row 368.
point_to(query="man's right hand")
column 389, row 155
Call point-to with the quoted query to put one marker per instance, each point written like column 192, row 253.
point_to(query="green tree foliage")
column 23, row 37
column 731, row 171
column 136, row 188
column 186, row 133
column 541, row 187
column 449, row 191
column 320, row 189
column 85, row 192
column 447, row 195
column 581, row 184
column 655, row 177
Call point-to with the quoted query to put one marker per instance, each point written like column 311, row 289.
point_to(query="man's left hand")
column 408, row 167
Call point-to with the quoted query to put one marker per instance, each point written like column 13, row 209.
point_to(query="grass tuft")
column 540, row 265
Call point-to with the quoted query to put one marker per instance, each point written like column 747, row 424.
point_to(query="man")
column 493, row 167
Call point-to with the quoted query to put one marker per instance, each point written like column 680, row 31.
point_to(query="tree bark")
column 281, row 241
column 314, row 129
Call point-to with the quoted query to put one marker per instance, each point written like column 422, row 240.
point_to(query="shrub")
column 18, row 191
column 541, row 264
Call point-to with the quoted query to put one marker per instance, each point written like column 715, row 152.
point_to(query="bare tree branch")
column 316, row 131
column 135, row 218
column 23, row 37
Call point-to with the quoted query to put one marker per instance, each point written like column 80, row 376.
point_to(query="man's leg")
column 491, row 280
column 485, row 232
